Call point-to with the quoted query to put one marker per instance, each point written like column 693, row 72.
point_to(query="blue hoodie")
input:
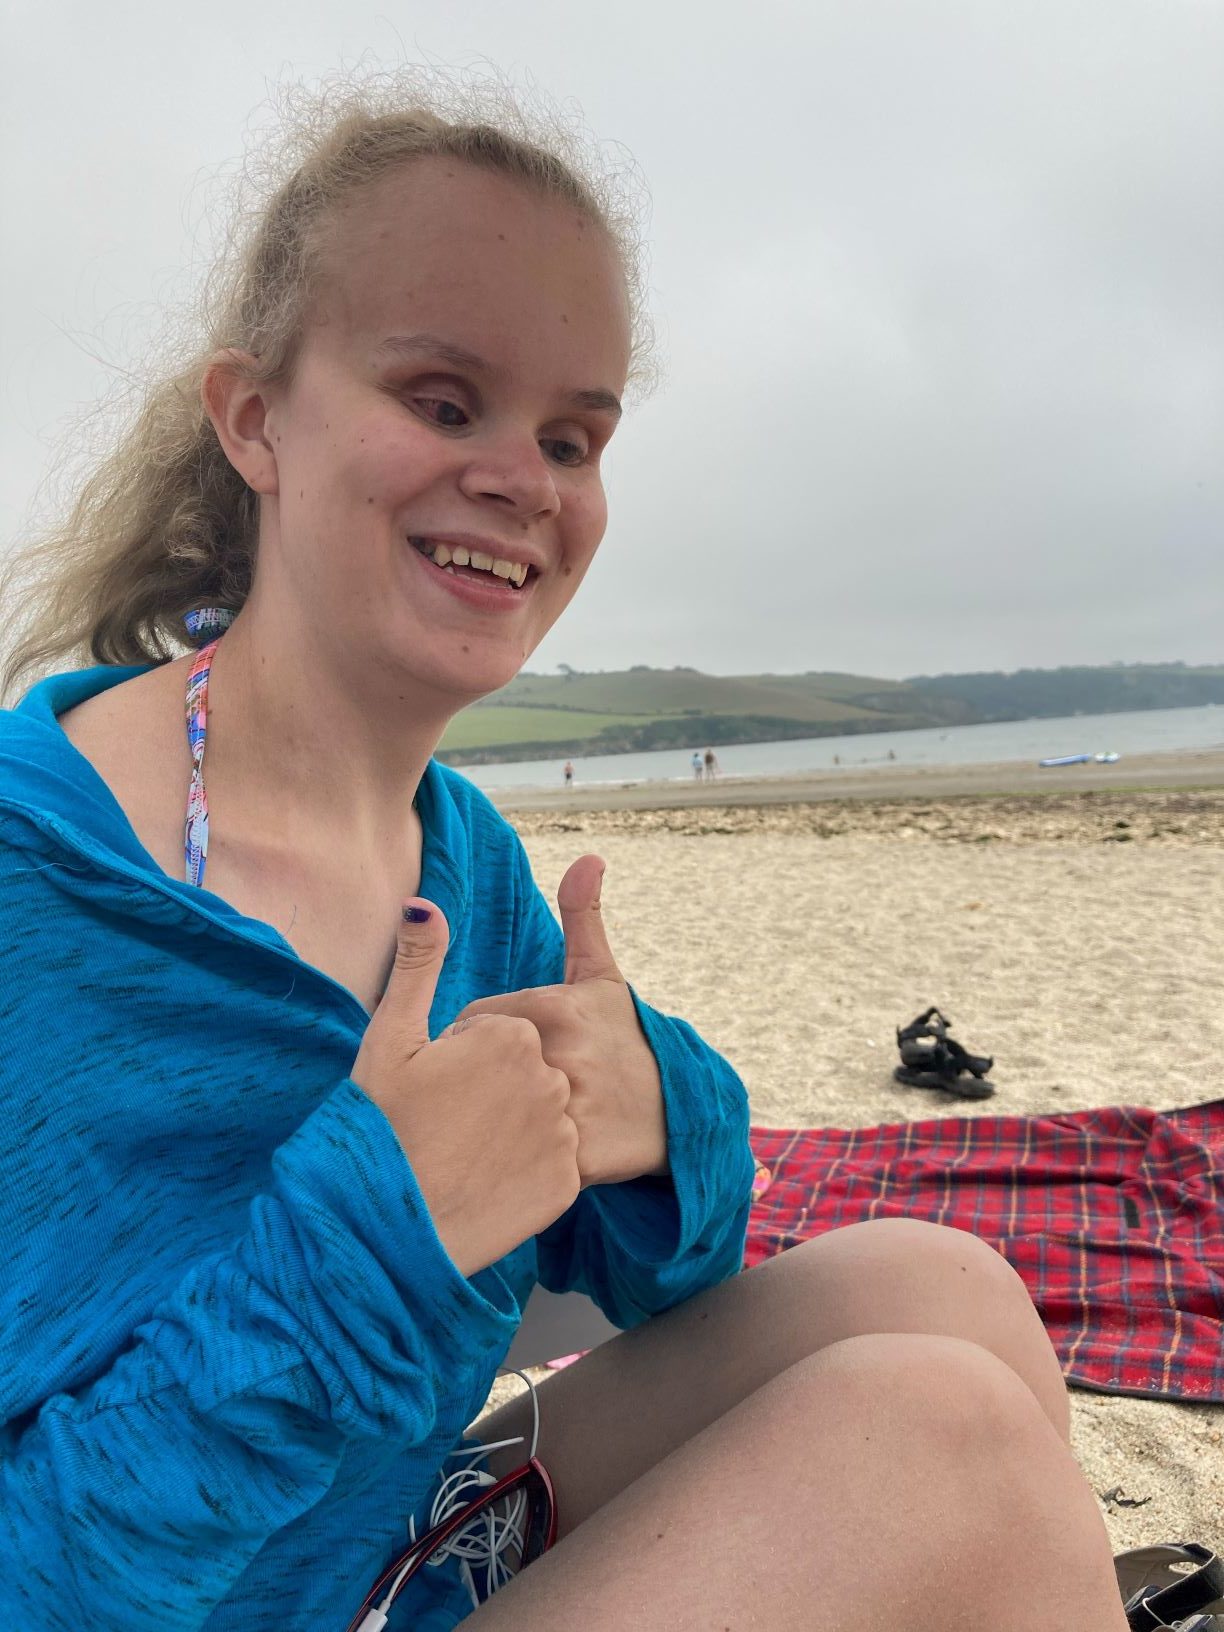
column 233, row 1351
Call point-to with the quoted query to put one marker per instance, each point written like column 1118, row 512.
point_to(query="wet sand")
column 1077, row 936
column 1199, row 768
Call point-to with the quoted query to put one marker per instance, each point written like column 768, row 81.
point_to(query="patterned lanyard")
column 211, row 621
column 210, row 624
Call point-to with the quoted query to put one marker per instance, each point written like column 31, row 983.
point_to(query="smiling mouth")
column 465, row 563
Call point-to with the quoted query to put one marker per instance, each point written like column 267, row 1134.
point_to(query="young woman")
column 266, row 1243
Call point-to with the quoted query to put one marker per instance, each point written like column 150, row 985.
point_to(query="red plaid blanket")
column 1114, row 1218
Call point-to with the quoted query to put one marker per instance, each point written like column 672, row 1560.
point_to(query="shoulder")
column 133, row 736
column 128, row 722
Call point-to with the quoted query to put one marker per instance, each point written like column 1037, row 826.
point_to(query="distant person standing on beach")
column 711, row 765
column 569, row 774
column 697, row 763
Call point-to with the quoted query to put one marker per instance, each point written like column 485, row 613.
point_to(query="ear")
column 237, row 403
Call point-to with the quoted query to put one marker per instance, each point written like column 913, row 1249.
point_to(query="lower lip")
column 487, row 593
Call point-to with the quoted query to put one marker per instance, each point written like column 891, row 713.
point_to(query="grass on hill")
column 492, row 726
column 647, row 708
column 651, row 693
column 641, row 708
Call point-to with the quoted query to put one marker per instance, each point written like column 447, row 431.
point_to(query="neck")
column 320, row 748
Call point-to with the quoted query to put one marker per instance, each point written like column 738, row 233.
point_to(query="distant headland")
column 572, row 713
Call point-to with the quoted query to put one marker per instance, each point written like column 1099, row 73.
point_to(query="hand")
column 481, row 1116
column 589, row 1030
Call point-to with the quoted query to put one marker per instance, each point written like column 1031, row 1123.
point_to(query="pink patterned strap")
column 195, row 841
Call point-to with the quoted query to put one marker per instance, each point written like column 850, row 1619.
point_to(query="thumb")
column 424, row 936
column 587, row 953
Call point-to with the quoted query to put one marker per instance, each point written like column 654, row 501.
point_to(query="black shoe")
column 932, row 1059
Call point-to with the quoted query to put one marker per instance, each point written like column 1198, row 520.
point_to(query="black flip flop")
column 1177, row 1585
column 959, row 1087
column 932, row 1059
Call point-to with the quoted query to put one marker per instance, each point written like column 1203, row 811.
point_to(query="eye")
column 442, row 411
column 564, row 451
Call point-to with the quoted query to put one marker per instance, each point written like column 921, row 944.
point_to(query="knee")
column 948, row 1392
column 903, row 1275
column 947, row 1427
column 903, row 1260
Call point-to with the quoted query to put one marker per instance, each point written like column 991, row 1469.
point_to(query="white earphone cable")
column 483, row 1542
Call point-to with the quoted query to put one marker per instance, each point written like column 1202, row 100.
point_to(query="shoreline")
column 1174, row 770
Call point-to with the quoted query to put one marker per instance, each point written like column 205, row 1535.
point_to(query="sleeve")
column 137, row 1502
column 638, row 1248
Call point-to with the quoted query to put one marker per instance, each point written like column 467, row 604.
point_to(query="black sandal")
column 940, row 1062
column 1159, row 1594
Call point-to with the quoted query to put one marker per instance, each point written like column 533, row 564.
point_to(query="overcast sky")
column 940, row 286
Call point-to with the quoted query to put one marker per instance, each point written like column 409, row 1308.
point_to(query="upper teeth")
column 443, row 555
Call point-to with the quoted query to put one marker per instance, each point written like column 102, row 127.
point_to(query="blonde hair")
column 163, row 524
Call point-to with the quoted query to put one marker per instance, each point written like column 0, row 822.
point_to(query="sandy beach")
column 1185, row 768
column 1078, row 936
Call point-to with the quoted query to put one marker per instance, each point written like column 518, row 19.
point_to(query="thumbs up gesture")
column 482, row 1117
column 589, row 1031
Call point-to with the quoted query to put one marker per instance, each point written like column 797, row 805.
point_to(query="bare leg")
column 888, row 1482
column 632, row 1401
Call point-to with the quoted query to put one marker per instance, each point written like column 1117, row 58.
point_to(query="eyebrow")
column 596, row 398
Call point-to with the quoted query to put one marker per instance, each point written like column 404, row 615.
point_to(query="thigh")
column 636, row 1398
column 899, row 1481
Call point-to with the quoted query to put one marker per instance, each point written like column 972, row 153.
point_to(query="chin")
column 468, row 677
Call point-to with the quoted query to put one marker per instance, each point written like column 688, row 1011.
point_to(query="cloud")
column 939, row 285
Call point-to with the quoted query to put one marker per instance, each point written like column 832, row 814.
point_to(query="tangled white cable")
column 487, row 1538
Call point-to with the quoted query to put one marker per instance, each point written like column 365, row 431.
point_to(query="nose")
column 513, row 474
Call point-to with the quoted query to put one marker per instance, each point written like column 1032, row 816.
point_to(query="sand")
column 1078, row 938
column 1182, row 769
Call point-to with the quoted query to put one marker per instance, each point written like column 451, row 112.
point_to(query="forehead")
column 492, row 264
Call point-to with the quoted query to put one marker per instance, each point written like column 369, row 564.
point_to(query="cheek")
column 358, row 449
column 590, row 519
column 361, row 487
column 587, row 520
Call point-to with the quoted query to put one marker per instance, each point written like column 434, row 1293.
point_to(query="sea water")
column 1151, row 731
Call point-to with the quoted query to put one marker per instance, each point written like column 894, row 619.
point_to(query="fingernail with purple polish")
column 417, row 915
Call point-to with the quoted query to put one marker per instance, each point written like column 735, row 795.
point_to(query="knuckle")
column 507, row 1028
column 524, row 1034
column 412, row 956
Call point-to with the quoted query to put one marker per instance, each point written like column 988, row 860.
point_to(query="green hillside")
column 571, row 714
column 541, row 716
column 488, row 726
column 648, row 693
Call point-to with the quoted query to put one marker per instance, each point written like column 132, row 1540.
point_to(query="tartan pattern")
column 1114, row 1218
